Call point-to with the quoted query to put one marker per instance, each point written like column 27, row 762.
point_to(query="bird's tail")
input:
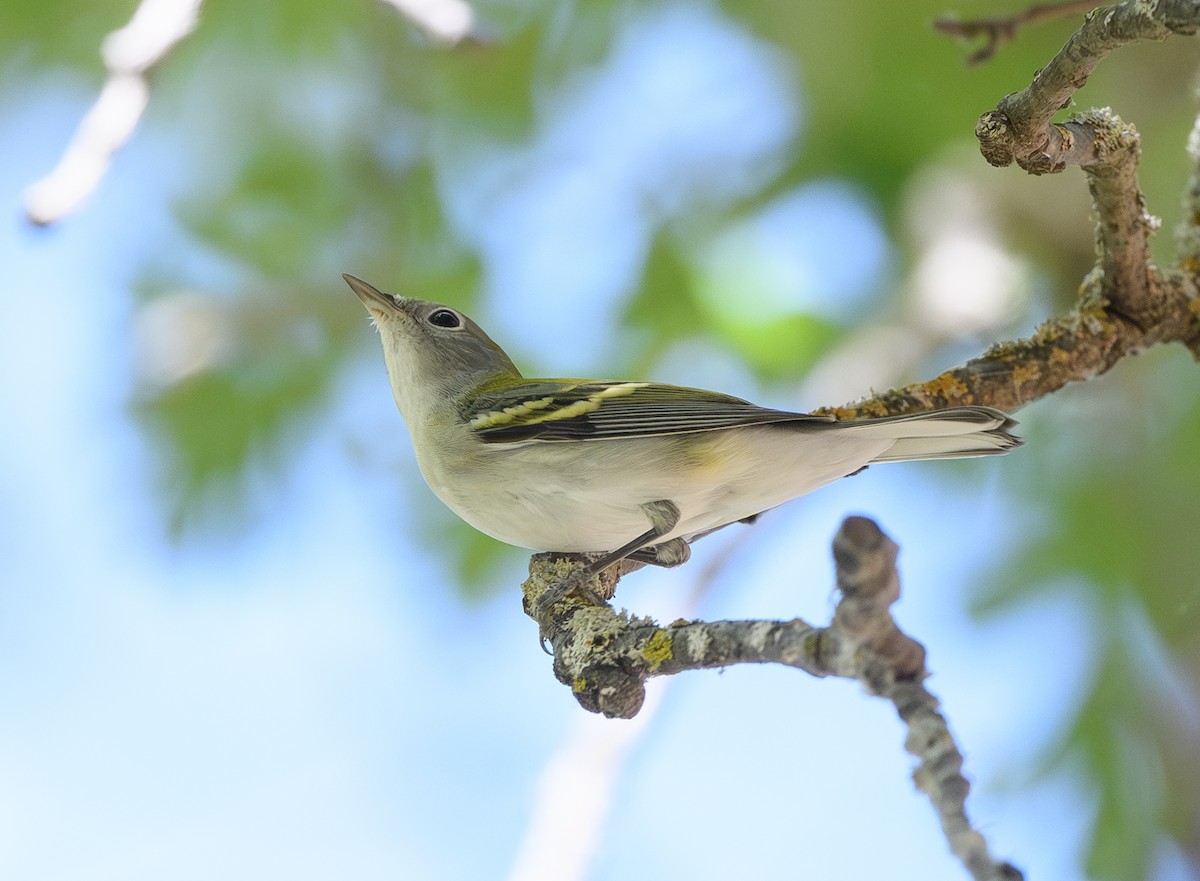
column 956, row 432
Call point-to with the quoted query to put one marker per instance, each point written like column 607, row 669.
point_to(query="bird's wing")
column 566, row 410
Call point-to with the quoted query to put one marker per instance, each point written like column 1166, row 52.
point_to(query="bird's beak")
column 375, row 300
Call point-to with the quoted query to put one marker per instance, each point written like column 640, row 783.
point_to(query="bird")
column 619, row 470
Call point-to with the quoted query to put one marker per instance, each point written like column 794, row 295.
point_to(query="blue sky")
column 311, row 699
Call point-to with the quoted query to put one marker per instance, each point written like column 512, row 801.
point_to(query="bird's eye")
column 445, row 318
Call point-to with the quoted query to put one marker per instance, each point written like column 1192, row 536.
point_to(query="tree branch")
column 605, row 657
column 1123, row 227
column 1019, row 129
column 1125, row 305
column 1085, row 343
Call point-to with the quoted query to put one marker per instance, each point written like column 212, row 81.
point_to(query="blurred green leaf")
column 223, row 424
column 475, row 558
column 665, row 308
column 269, row 33
column 780, row 348
column 412, row 248
column 1117, row 515
column 488, row 87
column 224, row 429
column 66, row 33
column 1118, row 746
column 266, row 219
column 669, row 308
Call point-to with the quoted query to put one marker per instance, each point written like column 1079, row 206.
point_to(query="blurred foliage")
column 1120, row 502
column 224, row 427
column 315, row 138
column 262, row 218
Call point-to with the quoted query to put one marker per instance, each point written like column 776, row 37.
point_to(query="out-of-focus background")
column 239, row 638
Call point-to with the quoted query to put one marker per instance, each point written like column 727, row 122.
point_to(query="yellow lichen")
column 947, row 387
column 659, row 649
column 1059, row 358
column 1024, row 373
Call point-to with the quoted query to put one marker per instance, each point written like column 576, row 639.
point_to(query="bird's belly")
column 588, row 496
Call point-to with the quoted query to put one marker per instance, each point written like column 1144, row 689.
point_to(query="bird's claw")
column 576, row 586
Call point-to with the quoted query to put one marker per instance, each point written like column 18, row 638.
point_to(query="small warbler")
column 621, row 469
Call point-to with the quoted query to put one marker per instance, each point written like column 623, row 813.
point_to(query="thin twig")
column 1123, row 226
column 998, row 31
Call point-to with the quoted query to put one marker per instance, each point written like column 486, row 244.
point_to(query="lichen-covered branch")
column 1123, row 226
column 1126, row 304
column 605, row 657
column 1019, row 129
column 1081, row 345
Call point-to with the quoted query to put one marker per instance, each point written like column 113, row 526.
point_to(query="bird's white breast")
column 587, row 496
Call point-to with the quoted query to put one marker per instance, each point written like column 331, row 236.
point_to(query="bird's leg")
column 663, row 516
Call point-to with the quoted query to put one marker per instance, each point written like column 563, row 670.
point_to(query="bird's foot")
column 669, row 554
